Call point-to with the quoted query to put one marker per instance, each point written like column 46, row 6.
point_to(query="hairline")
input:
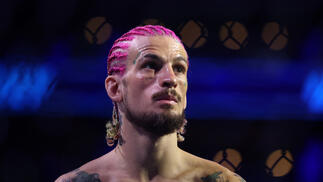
column 140, row 52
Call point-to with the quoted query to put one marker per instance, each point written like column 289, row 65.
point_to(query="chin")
column 168, row 113
column 167, row 106
column 159, row 123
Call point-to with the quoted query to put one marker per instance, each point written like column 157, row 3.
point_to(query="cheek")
column 183, row 84
column 144, row 79
column 145, row 75
column 138, row 85
column 183, row 90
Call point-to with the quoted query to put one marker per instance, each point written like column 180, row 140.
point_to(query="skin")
column 145, row 157
column 143, row 80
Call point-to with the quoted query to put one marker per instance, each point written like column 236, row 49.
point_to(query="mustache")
column 167, row 92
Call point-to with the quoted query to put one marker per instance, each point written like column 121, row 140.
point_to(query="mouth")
column 167, row 97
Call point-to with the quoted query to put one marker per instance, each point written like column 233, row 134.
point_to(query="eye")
column 179, row 68
column 151, row 65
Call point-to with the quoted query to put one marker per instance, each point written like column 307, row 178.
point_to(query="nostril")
column 169, row 83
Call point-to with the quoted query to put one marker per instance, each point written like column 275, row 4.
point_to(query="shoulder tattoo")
column 215, row 177
column 82, row 176
column 239, row 177
column 219, row 177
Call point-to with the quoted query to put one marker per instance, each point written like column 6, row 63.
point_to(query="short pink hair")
column 118, row 53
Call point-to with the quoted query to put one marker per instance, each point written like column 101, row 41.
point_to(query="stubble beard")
column 157, row 124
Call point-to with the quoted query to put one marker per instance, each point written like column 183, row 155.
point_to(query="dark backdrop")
column 255, row 83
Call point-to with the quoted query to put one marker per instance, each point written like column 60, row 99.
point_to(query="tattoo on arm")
column 83, row 176
column 216, row 177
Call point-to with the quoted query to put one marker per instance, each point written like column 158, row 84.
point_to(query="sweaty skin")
column 154, row 64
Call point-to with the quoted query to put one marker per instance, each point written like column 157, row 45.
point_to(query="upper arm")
column 236, row 178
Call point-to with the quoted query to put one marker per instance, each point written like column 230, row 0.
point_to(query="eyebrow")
column 154, row 56
column 180, row 58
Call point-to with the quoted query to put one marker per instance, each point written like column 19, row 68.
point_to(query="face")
column 155, row 84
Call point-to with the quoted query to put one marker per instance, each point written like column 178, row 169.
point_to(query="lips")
column 167, row 97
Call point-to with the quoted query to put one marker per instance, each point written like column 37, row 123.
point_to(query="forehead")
column 162, row 45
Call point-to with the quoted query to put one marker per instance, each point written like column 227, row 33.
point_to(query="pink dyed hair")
column 118, row 53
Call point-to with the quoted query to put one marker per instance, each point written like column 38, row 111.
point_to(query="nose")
column 167, row 77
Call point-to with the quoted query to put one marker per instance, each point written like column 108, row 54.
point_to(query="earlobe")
column 112, row 87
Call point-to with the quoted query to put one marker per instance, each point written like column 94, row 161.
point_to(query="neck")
column 145, row 155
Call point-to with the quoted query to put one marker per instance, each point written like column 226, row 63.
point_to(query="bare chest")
column 125, row 178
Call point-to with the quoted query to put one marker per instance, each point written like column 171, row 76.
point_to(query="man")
column 147, row 82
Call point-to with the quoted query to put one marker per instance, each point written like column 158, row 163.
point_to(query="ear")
column 112, row 86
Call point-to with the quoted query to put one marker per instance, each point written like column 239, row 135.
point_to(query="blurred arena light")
column 25, row 86
column 279, row 163
column 97, row 30
column 193, row 33
column 312, row 92
column 152, row 21
column 229, row 158
column 233, row 35
column 275, row 36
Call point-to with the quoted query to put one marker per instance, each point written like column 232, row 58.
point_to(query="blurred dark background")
column 255, row 99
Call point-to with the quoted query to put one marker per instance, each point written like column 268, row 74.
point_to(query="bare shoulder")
column 218, row 173
column 233, row 177
column 211, row 171
column 90, row 171
column 67, row 176
column 79, row 175
column 219, row 176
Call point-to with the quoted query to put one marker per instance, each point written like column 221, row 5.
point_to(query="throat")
column 146, row 158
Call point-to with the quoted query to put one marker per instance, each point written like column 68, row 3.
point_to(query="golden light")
column 279, row 163
column 275, row 36
column 233, row 35
column 97, row 30
column 193, row 34
column 229, row 158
